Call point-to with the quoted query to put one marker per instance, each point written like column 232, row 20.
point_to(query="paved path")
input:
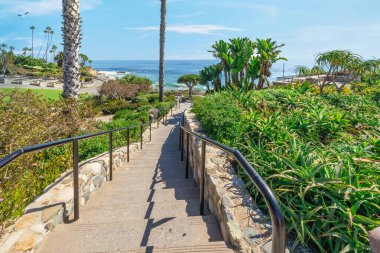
column 148, row 207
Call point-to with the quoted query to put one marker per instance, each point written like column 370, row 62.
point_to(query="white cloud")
column 39, row 7
column 189, row 29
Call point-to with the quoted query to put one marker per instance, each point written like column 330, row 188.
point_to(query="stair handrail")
column 277, row 218
column 75, row 150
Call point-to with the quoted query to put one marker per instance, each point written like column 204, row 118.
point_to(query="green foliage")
column 221, row 117
column 318, row 154
column 132, row 79
column 29, row 119
column 245, row 63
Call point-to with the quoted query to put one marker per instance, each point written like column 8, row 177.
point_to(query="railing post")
column 76, row 179
column 203, row 179
column 158, row 121
column 111, row 151
column 150, row 131
column 180, row 137
column 141, row 136
column 187, row 154
column 128, row 142
column 182, row 144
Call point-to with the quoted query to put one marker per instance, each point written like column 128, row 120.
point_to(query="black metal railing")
column 75, row 151
column 278, row 223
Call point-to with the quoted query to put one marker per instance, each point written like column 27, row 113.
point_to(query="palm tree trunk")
column 71, row 39
column 162, row 51
column 32, row 43
column 43, row 43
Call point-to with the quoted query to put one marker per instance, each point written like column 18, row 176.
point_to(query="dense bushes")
column 28, row 119
column 319, row 154
column 117, row 90
column 132, row 79
column 221, row 118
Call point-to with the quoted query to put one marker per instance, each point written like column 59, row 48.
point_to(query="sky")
column 128, row 29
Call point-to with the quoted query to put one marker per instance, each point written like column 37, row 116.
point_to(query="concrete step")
column 112, row 197
column 136, row 211
column 218, row 247
column 126, row 236
column 144, row 173
column 120, row 183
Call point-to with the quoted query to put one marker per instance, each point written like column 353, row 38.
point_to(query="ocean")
column 173, row 70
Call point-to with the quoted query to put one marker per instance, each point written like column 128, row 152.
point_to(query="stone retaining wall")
column 55, row 205
column 240, row 221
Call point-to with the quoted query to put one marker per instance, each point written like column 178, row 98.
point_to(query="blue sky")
column 128, row 29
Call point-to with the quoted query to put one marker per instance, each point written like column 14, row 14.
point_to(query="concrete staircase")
column 148, row 207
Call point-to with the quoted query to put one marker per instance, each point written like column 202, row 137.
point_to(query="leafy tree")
column 190, row 80
column 336, row 61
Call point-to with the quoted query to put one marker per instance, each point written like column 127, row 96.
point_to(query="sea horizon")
column 173, row 70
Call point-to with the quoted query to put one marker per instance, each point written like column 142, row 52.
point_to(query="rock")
column 26, row 243
column 374, row 240
column 38, row 228
column 96, row 168
column 98, row 181
column 10, row 241
column 235, row 232
column 26, row 221
column 267, row 248
column 49, row 213
column 251, row 235
column 66, row 194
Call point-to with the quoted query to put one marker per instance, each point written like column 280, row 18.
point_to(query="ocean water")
column 173, row 70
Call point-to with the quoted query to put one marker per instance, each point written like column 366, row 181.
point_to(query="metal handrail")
column 277, row 218
column 75, row 151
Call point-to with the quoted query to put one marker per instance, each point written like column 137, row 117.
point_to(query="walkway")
column 148, row 207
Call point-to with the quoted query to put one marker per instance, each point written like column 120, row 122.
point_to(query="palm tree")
column 162, row 50
column 32, row 28
column 25, row 50
column 53, row 51
column 71, row 41
column 90, row 62
column 50, row 34
column 269, row 53
column 43, row 43
column 220, row 50
column 11, row 49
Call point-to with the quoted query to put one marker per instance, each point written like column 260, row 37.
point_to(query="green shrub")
column 221, row 117
column 140, row 99
column 317, row 153
column 132, row 79
column 112, row 106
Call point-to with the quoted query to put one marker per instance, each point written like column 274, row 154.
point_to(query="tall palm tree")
column 220, row 50
column 51, row 33
column 43, row 43
column 53, row 51
column 162, row 50
column 269, row 53
column 32, row 28
column 71, row 41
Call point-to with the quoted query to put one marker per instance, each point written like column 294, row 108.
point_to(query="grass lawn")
column 48, row 93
